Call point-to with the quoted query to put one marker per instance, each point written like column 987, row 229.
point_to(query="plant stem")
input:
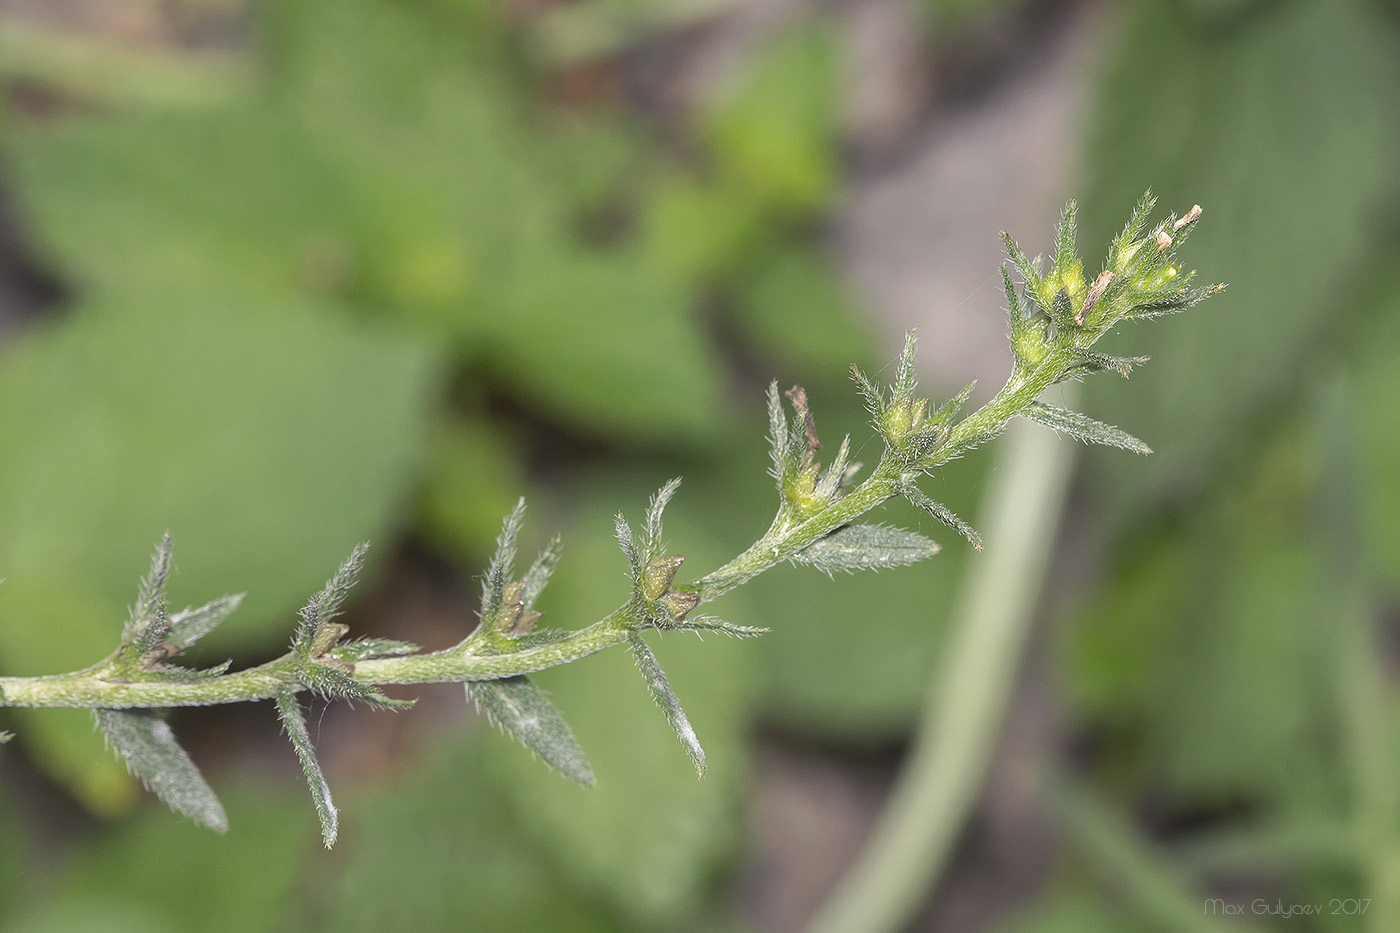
column 958, row 730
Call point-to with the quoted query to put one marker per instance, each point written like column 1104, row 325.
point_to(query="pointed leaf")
column 666, row 698
column 904, row 381
column 295, row 724
column 628, row 543
column 189, row 625
column 522, row 709
column 651, row 537
column 1029, row 273
column 938, row 510
column 538, row 575
column 1102, row 362
column 335, row 683
column 361, row 648
column 778, row 448
column 1064, row 237
column 1083, row 427
column 325, row 605
column 712, row 624
column 949, row 409
column 874, row 400
column 493, row 585
column 147, row 624
column 150, row 750
column 865, row 547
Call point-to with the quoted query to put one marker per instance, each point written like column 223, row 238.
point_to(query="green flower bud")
column 658, row 575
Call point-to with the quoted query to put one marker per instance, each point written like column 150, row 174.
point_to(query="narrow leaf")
column 519, row 707
column 190, row 625
column 949, row 409
column 628, row 542
column 150, row 750
column 147, row 623
column 712, row 624
column 651, row 535
column 1013, row 300
column 865, row 547
column 1083, row 427
column 335, row 682
column 1029, row 274
column 666, row 698
column 1064, row 237
column 326, row 604
column 874, row 400
column 941, row 512
column 778, row 447
column 1174, row 304
column 498, row 572
column 295, row 724
column 1141, row 212
column 904, row 382
column 538, row 574
column 835, row 474
column 361, row 648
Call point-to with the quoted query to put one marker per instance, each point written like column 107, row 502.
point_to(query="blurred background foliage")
column 302, row 274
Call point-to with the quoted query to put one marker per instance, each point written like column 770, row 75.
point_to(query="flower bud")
column 678, row 604
column 659, row 574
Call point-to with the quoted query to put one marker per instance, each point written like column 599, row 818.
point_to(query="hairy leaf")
column 1297, row 219
column 700, row 624
column 325, row 605
column 266, row 434
column 147, row 624
column 289, row 709
column 493, row 585
column 666, row 698
column 938, row 510
column 539, row 573
column 522, row 709
column 189, row 625
column 150, row 750
column 651, row 534
column 866, row 547
column 1083, row 428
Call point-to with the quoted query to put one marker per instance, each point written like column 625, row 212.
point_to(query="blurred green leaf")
column 440, row 852
column 266, row 442
column 387, row 168
column 1216, row 640
column 772, row 136
column 1284, row 130
column 798, row 311
column 157, row 871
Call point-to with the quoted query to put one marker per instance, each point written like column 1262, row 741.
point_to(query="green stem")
column 958, row 730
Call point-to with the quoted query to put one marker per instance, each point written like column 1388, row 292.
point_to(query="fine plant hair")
column 1055, row 318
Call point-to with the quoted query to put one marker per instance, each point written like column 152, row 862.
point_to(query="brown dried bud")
column 798, row 396
column 1095, row 293
column 1190, row 217
column 1163, row 240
